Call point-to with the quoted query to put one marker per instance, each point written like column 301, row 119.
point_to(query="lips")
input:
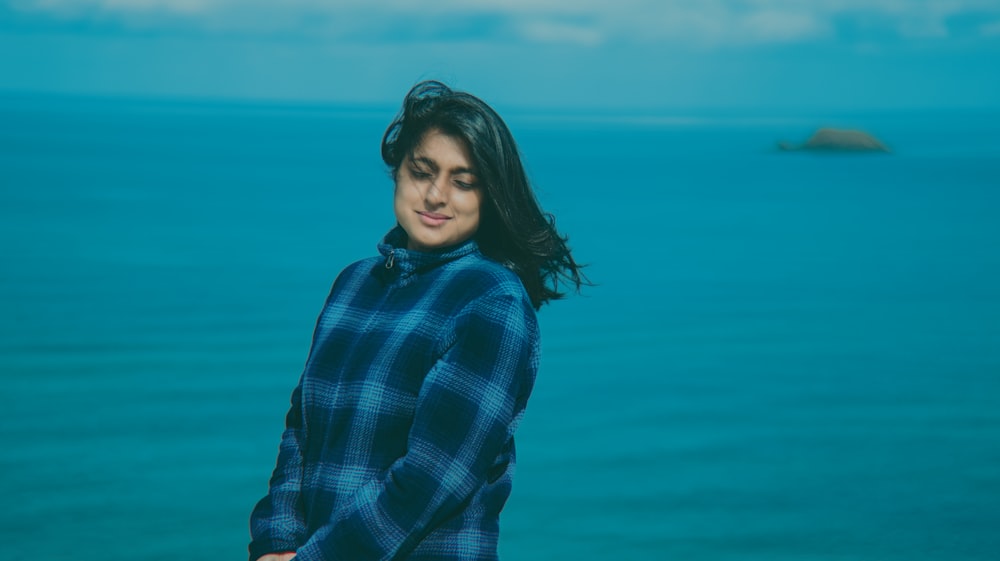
column 433, row 215
column 433, row 218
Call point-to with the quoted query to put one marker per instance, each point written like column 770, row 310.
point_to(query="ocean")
column 785, row 356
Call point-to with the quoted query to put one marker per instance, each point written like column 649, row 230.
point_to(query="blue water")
column 787, row 356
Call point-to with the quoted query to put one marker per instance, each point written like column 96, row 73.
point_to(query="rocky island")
column 838, row 140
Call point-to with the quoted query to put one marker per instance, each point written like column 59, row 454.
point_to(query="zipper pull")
column 390, row 259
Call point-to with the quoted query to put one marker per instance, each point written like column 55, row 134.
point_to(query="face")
column 438, row 196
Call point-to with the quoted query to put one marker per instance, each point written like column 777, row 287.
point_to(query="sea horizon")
column 785, row 356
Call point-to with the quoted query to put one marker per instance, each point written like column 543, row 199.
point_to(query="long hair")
column 513, row 229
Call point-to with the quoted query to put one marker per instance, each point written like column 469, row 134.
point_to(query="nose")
column 437, row 192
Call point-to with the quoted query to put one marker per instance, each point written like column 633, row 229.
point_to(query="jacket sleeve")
column 276, row 523
column 467, row 409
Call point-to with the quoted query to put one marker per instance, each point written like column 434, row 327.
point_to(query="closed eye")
column 418, row 174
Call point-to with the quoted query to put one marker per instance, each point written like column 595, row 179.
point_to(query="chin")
column 425, row 244
column 423, row 241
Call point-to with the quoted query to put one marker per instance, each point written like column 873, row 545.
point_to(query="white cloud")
column 555, row 32
column 778, row 26
column 991, row 29
column 69, row 8
column 583, row 22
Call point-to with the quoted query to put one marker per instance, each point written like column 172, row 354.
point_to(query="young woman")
column 399, row 442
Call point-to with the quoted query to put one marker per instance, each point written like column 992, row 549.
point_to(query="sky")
column 607, row 55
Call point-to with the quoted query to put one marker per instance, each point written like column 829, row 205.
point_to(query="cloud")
column 78, row 8
column 706, row 23
column 991, row 29
column 556, row 32
column 778, row 26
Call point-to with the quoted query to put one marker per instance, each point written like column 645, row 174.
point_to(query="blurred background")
column 788, row 355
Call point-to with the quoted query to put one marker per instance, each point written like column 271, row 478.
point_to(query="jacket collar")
column 402, row 262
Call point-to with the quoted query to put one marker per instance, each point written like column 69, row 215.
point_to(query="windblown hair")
column 513, row 229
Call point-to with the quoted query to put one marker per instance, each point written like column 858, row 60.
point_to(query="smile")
column 433, row 218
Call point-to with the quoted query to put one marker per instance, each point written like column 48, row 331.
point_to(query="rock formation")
column 838, row 140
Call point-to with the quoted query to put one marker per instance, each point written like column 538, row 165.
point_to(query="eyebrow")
column 434, row 165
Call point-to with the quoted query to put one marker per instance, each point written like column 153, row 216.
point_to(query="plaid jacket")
column 399, row 441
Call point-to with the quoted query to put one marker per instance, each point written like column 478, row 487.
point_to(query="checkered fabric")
column 399, row 443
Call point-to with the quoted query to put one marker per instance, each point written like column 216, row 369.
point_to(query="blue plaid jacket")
column 399, row 443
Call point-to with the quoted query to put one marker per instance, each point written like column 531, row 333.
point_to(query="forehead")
column 443, row 150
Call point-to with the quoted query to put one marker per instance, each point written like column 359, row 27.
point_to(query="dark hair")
column 513, row 229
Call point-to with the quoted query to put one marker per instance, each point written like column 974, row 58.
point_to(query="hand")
column 277, row 556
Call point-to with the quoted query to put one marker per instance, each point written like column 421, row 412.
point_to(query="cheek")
column 403, row 191
column 398, row 199
column 474, row 212
column 471, row 204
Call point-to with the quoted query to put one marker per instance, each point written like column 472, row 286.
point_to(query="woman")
column 399, row 442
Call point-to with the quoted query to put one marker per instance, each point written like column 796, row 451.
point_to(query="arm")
column 466, row 412
column 276, row 524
